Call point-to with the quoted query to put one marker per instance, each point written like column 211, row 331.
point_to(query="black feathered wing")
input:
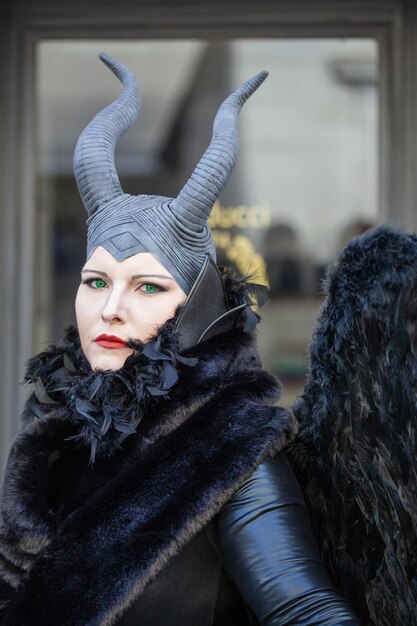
column 356, row 453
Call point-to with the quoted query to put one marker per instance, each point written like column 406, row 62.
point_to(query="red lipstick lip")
column 110, row 341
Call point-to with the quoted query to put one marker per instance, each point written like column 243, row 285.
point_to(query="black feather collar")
column 104, row 406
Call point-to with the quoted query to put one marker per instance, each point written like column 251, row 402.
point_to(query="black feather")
column 63, row 377
column 356, row 455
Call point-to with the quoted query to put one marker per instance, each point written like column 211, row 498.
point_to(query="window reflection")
column 304, row 184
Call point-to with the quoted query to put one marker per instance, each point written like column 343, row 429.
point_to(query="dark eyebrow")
column 94, row 272
column 132, row 277
column 151, row 276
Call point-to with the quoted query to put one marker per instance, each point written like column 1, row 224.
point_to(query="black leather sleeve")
column 270, row 552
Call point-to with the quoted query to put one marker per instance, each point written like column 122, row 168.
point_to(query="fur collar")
column 84, row 541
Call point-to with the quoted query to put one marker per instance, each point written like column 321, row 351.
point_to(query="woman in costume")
column 149, row 486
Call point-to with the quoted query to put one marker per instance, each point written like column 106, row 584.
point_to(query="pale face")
column 117, row 301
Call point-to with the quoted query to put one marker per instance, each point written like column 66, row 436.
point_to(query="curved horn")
column 193, row 205
column 94, row 167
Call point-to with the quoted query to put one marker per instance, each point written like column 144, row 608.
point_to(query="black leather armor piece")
column 206, row 302
column 207, row 312
column 269, row 551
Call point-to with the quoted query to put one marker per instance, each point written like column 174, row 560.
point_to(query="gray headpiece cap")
column 173, row 230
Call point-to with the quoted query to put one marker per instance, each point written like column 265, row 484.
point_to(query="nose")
column 114, row 310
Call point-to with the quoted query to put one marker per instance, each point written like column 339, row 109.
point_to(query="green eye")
column 99, row 283
column 150, row 288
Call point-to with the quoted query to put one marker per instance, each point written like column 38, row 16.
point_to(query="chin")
column 109, row 361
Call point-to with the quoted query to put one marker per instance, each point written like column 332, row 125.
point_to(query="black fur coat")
column 119, row 470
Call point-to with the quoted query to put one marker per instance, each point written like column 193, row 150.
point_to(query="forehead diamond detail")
column 124, row 241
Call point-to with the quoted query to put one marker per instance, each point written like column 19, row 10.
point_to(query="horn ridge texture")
column 94, row 167
column 212, row 172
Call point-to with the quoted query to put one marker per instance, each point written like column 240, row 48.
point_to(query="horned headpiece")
column 174, row 230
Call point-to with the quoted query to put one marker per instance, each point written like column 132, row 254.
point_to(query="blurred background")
column 327, row 148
